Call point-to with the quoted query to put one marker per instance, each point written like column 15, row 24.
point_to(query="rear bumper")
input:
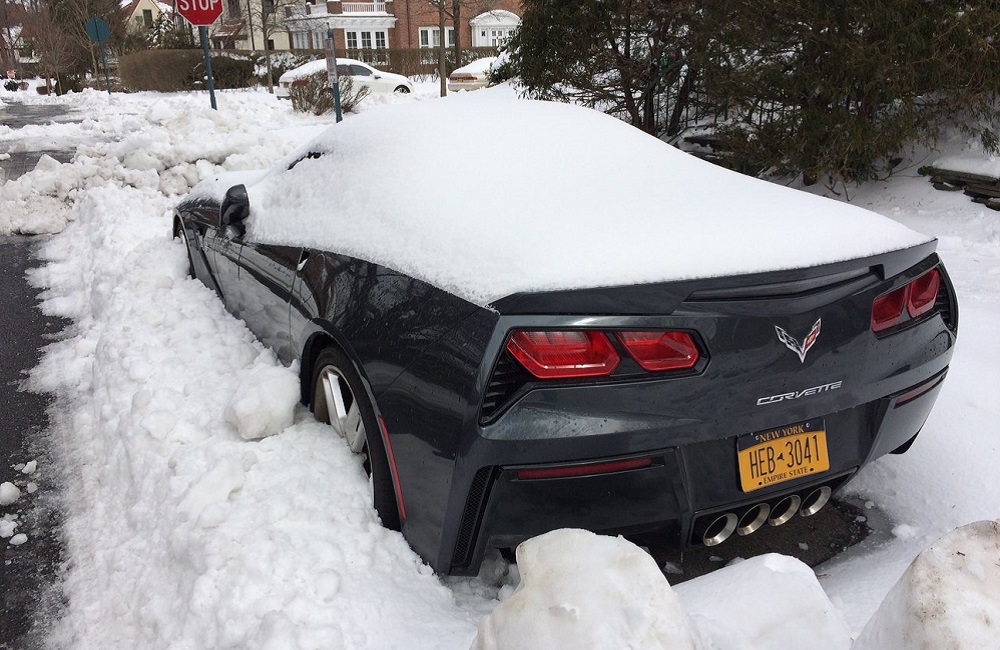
column 681, row 490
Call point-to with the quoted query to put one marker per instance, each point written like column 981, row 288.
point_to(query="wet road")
column 29, row 569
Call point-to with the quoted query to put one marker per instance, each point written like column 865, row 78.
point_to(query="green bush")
column 177, row 70
column 159, row 70
column 230, row 72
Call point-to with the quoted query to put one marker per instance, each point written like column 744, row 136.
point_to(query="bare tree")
column 268, row 16
column 72, row 17
column 57, row 52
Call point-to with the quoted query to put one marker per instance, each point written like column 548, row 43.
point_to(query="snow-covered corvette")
column 623, row 338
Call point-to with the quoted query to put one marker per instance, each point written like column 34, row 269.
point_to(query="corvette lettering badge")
column 800, row 349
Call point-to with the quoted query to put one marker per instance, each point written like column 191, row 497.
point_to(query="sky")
column 205, row 508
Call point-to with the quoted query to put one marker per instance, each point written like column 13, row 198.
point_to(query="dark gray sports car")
column 607, row 334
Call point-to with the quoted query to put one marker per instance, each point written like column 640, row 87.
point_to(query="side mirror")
column 235, row 207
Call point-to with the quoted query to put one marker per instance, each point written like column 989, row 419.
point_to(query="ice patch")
column 7, row 528
column 9, row 493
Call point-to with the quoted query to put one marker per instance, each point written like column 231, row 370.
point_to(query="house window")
column 494, row 37
column 493, row 28
column 431, row 36
column 366, row 40
column 234, row 8
column 147, row 18
column 300, row 40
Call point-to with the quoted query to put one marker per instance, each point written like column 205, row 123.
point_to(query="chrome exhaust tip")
column 815, row 501
column 784, row 510
column 719, row 530
column 753, row 519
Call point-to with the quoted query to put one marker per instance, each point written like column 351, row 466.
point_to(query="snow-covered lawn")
column 185, row 529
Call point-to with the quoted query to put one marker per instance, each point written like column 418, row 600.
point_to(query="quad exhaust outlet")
column 717, row 528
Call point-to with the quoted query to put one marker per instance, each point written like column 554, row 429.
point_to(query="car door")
column 266, row 277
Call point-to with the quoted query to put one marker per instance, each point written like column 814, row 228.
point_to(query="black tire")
column 353, row 418
column 181, row 232
column 402, row 90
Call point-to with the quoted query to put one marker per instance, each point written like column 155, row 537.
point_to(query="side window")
column 343, row 70
column 360, row 71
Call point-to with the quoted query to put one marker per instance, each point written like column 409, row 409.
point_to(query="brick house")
column 377, row 24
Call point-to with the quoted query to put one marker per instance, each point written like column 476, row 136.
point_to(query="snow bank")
column 948, row 597
column 173, row 144
column 584, row 591
column 970, row 163
column 769, row 602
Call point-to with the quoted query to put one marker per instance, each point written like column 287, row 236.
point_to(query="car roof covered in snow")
column 486, row 195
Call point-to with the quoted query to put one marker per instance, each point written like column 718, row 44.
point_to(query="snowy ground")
column 185, row 531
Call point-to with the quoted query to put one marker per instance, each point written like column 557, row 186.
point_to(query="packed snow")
column 206, row 509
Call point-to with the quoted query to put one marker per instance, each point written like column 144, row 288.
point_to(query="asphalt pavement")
column 28, row 574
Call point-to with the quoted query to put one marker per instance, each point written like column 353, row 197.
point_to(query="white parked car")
column 472, row 76
column 362, row 76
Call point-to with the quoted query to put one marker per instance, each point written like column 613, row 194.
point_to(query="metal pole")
column 104, row 63
column 331, row 72
column 203, row 34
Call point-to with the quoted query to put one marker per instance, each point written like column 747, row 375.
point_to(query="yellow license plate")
column 783, row 454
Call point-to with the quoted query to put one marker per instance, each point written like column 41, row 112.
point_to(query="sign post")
column 98, row 31
column 201, row 14
column 331, row 72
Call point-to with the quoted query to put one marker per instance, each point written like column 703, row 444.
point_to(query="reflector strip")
column 913, row 394
column 583, row 470
column 392, row 468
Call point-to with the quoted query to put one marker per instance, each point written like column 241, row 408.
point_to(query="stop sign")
column 200, row 13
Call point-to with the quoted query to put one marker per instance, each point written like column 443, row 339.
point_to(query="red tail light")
column 887, row 310
column 923, row 293
column 657, row 351
column 564, row 354
column 917, row 298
